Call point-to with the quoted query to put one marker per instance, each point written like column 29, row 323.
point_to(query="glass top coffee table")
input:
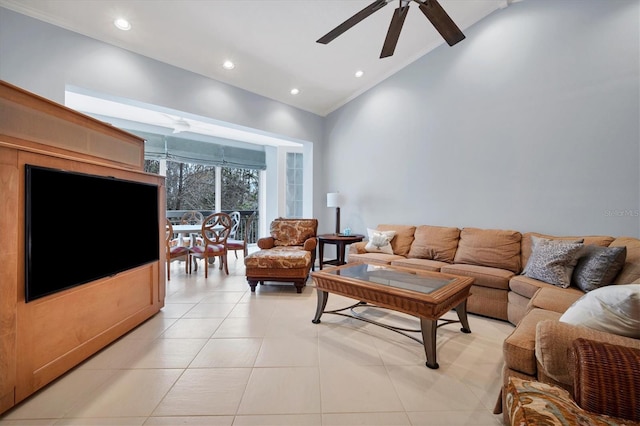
column 423, row 294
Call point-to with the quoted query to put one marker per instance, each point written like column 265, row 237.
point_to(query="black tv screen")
column 80, row 228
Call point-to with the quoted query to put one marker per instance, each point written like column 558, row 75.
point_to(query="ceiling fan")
column 431, row 9
column 178, row 124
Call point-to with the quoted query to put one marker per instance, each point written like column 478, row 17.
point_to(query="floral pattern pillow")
column 535, row 403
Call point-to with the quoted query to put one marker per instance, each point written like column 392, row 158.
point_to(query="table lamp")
column 333, row 200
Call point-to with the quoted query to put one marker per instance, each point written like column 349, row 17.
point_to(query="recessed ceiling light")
column 122, row 24
column 295, row 91
column 359, row 73
column 228, row 65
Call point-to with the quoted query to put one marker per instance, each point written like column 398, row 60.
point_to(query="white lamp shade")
column 333, row 199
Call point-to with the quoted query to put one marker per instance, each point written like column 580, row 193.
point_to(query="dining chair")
column 175, row 251
column 237, row 245
column 235, row 217
column 215, row 231
column 192, row 217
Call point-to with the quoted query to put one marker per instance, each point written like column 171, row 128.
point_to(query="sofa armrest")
column 266, row 243
column 553, row 299
column 554, row 340
column 357, row 248
column 310, row 244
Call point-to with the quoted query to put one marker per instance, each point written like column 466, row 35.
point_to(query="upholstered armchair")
column 287, row 255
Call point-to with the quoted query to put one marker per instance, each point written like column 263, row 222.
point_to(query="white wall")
column 45, row 60
column 531, row 123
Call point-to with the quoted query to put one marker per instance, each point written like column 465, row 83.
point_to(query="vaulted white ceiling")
column 272, row 42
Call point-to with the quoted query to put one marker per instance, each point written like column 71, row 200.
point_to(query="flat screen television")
column 81, row 227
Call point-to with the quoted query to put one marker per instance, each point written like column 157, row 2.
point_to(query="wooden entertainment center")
column 42, row 339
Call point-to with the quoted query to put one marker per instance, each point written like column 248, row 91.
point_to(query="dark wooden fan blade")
column 394, row 31
column 373, row 7
column 442, row 22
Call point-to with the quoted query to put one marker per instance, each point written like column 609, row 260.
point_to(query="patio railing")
column 175, row 215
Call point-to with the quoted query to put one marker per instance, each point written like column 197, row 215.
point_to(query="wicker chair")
column 606, row 390
column 607, row 379
column 286, row 256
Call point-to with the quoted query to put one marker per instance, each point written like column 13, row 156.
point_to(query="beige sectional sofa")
column 494, row 257
column 537, row 348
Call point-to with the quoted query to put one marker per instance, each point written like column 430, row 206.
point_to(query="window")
column 294, row 184
column 193, row 186
column 239, row 189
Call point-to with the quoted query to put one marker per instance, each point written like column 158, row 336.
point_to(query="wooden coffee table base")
column 428, row 327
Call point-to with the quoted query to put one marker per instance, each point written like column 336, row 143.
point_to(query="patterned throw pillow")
column 598, row 266
column 379, row 241
column 536, row 403
column 552, row 261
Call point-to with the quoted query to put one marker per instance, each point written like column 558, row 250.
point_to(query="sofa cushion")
column 614, row 309
column 553, row 261
column 555, row 299
column 519, row 347
column 527, row 287
column 484, row 275
column 631, row 269
column 377, row 258
column 525, row 252
column 489, row 247
column 435, row 243
column 598, row 266
column 401, row 244
column 279, row 258
column 379, row 241
column 422, row 264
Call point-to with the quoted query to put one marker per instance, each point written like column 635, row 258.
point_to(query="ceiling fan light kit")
column 430, row 8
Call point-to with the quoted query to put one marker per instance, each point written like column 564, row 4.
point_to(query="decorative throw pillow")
column 552, row 261
column 598, row 266
column 534, row 239
column 536, row 403
column 379, row 241
column 613, row 309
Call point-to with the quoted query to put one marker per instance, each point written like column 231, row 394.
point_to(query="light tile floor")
column 218, row 354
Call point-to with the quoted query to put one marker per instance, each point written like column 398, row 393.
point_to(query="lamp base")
column 337, row 220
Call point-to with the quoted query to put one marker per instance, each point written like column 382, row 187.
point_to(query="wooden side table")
column 340, row 241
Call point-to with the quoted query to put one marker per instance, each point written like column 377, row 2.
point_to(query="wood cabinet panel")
column 8, row 275
column 38, row 121
column 60, row 330
column 42, row 339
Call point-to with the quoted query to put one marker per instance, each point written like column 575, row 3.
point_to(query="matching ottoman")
column 286, row 255
column 286, row 263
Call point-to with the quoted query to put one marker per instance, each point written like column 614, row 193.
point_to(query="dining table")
column 189, row 229
column 186, row 229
